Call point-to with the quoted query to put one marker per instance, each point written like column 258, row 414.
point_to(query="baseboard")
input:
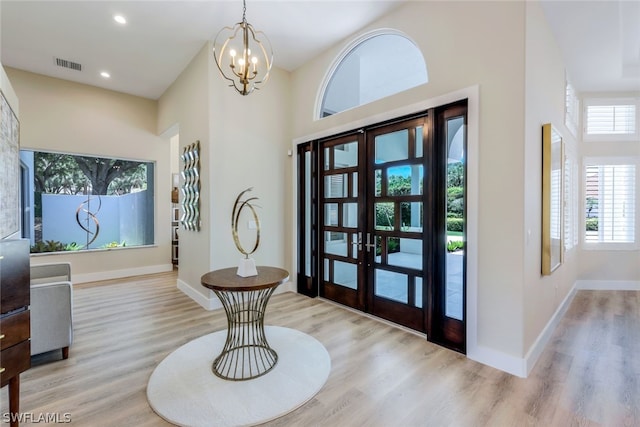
column 541, row 342
column 496, row 359
column 211, row 302
column 118, row 274
column 608, row 285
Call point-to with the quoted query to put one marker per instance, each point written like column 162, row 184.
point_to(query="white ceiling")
column 600, row 39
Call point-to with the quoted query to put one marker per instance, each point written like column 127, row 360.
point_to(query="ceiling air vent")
column 68, row 64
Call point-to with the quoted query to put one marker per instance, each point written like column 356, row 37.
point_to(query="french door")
column 379, row 240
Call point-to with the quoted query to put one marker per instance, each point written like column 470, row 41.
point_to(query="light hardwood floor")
column 589, row 374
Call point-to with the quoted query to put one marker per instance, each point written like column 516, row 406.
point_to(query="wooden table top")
column 227, row 279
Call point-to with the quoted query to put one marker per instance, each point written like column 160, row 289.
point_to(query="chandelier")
column 242, row 58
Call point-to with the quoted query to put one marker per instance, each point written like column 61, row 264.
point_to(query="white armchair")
column 51, row 308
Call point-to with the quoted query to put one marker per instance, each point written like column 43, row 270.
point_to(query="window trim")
column 571, row 115
column 610, row 137
column 610, row 246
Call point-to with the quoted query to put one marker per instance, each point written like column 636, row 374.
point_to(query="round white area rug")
column 184, row 391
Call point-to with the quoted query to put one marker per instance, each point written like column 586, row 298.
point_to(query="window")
column 571, row 108
column 369, row 71
column 610, row 203
column 610, row 119
column 81, row 202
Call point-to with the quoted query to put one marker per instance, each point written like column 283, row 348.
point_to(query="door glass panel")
column 335, row 243
column 327, row 158
column 419, row 141
column 331, row 214
column 336, row 185
column 418, row 285
column 405, row 180
column 392, row 146
column 378, row 178
column 345, row 155
column 385, row 213
column 326, row 269
column 411, row 216
column 391, row 285
column 455, row 266
column 354, row 246
column 350, row 215
column 354, row 190
column 405, row 252
column 345, row 274
column 307, row 213
column 455, row 135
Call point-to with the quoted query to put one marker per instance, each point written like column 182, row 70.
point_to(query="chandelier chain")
column 244, row 11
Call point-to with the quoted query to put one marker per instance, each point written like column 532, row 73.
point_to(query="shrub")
column 48, row 246
column 455, row 224
column 592, row 224
column 455, row 245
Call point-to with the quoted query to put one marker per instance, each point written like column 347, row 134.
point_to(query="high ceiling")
column 600, row 39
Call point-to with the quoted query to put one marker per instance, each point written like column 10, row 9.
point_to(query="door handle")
column 369, row 244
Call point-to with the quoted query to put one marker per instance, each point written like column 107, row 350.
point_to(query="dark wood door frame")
column 443, row 330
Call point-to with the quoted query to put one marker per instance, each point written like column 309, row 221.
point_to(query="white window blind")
column 611, row 119
column 610, row 203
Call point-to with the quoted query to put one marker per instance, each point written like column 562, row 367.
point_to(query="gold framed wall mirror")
column 552, row 199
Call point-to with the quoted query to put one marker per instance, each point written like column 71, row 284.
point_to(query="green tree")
column 101, row 171
column 57, row 174
column 455, row 174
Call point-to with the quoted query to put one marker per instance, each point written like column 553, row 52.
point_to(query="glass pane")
column 345, row 155
column 455, row 218
column 354, row 189
column 418, row 285
column 392, row 146
column 370, row 71
column 336, row 185
column 81, row 205
column 307, row 216
column 326, row 158
column 455, row 267
column 405, row 180
column 331, row 214
column 378, row 178
column 354, row 246
column 405, row 252
column 385, row 212
column 350, row 215
column 390, row 285
column 411, row 219
column 345, row 274
column 326, row 269
column 335, row 243
column 419, row 141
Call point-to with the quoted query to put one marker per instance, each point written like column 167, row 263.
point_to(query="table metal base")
column 246, row 353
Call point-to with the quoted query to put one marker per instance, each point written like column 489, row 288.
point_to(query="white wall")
column 184, row 107
column 544, row 92
column 58, row 115
column 464, row 44
column 244, row 142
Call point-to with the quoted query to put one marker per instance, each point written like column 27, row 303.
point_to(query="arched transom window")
column 375, row 66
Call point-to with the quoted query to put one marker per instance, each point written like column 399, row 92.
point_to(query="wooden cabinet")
column 15, row 349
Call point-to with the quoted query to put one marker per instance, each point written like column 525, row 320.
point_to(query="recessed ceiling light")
column 105, row 74
column 119, row 19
